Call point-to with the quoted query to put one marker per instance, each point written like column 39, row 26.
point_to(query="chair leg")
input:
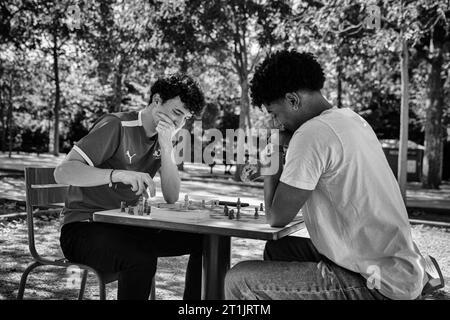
column 23, row 279
column 102, row 290
column 83, row 285
column 152, row 292
column 101, row 287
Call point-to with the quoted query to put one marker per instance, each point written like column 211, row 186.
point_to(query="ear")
column 293, row 99
column 183, row 122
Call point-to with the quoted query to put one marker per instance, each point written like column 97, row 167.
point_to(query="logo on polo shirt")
column 130, row 156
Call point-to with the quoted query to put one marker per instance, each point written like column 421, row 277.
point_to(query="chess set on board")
column 215, row 208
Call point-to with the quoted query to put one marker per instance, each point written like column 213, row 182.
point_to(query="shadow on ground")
column 56, row 283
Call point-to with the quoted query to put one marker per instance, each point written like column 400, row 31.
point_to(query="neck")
column 320, row 104
column 148, row 122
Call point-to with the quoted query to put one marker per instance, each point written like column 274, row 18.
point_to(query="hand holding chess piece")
column 141, row 183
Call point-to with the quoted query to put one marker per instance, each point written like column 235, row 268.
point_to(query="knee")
column 195, row 244
column 270, row 249
column 236, row 281
column 141, row 263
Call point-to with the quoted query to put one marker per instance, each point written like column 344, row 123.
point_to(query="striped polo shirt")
column 116, row 141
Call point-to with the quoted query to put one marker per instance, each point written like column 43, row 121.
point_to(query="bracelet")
column 110, row 178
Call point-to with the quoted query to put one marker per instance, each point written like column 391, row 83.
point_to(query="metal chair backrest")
column 41, row 190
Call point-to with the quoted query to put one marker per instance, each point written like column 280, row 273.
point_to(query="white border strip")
column 84, row 155
column 133, row 123
column 140, row 118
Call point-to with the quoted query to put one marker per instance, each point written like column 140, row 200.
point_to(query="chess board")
column 193, row 205
column 197, row 210
column 208, row 220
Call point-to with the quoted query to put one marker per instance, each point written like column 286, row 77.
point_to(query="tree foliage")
column 63, row 68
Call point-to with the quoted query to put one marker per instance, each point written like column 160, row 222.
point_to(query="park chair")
column 43, row 191
column 435, row 277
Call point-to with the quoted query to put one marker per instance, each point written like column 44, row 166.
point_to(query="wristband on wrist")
column 110, row 178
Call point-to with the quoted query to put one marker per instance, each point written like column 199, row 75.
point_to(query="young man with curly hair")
column 116, row 162
column 360, row 244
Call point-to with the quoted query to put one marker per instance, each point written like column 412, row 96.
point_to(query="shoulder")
column 316, row 129
column 317, row 136
column 109, row 119
column 126, row 116
column 117, row 120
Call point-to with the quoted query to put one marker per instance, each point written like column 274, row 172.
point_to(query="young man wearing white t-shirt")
column 360, row 244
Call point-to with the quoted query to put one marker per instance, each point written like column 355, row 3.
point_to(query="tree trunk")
column 244, row 119
column 56, row 107
column 51, row 135
column 10, row 119
column 2, row 110
column 184, row 64
column 117, row 100
column 432, row 162
column 404, row 121
column 339, row 83
column 340, row 50
column 241, row 65
column 245, row 103
column 3, row 119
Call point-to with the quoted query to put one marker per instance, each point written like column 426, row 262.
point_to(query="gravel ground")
column 53, row 283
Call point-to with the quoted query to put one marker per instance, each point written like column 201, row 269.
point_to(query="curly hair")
column 183, row 86
column 285, row 71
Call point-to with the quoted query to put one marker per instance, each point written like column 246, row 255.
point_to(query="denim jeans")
column 294, row 270
column 132, row 252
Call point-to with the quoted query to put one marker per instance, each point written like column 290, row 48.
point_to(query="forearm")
column 270, row 186
column 79, row 174
column 170, row 179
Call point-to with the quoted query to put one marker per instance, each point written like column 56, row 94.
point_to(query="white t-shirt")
column 355, row 215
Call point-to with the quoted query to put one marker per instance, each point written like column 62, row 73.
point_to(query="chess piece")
column 123, row 205
column 131, row 210
column 186, row 201
column 225, row 210
column 147, row 208
column 261, row 207
column 231, row 214
column 140, row 206
column 203, row 204
column 256, row 213
column 238, row 211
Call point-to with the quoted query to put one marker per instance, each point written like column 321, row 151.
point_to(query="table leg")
column 216, row 263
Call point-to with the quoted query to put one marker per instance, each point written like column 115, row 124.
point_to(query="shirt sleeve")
column 101, row 142
column 307, row 157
